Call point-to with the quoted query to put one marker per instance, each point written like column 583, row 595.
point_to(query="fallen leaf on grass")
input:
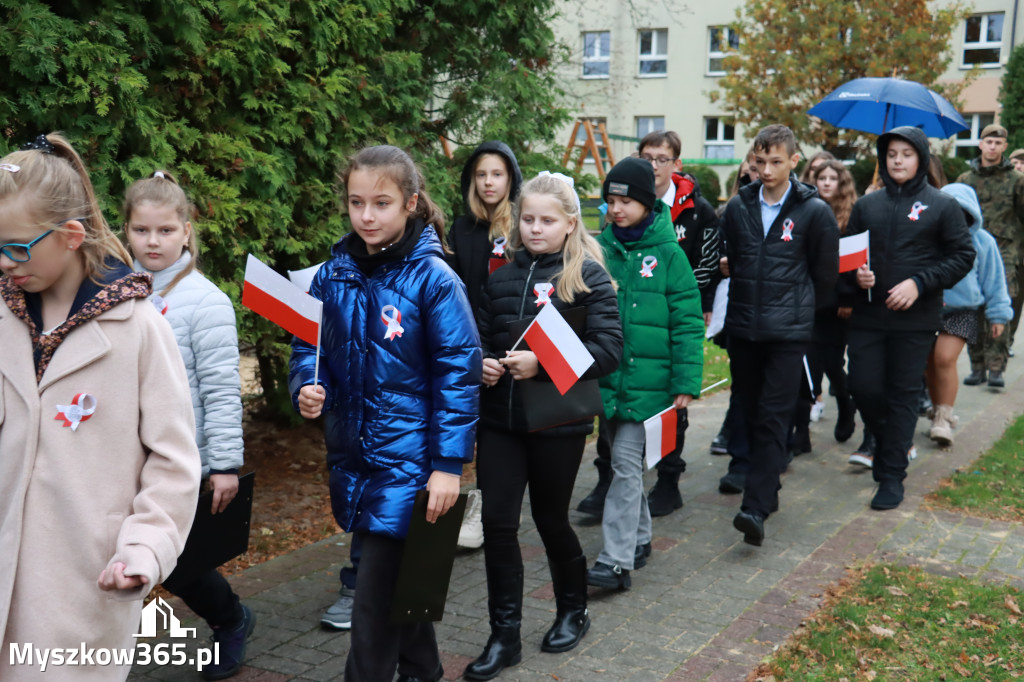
column 1011, row 604
column 880, row 631
column 964, row 672
column 896, row 592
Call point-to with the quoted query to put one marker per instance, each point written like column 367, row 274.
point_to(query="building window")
column 654, row 52
column 597, row 54
column 719, row 138
column 967, row 140
column 983, row 40
column 648, row 124
column 581, row 137
column 721, row 40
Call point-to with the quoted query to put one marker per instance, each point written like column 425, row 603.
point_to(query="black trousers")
column 671, row 464
column 827, row 356
column 506, row 464
column 378, row 647
column 209, row 595
column 885, row 380
column 766, row 379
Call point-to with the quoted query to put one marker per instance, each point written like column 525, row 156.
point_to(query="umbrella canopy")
column 876, row 105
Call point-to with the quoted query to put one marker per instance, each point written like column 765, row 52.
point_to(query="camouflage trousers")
column 991, row 353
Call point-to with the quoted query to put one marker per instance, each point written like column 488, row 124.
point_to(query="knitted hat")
column 633, row 178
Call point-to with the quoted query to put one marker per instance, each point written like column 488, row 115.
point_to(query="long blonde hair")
column 501, row 217
column 846, row 193
column 162, row 189
column 579, row 246
column 51, row 180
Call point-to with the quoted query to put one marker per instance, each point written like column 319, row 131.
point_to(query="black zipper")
column 522, row 306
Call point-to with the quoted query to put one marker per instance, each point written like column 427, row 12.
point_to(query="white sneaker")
column 817, row 410
column 912, row 453
column 867, row 461
column 471, row 534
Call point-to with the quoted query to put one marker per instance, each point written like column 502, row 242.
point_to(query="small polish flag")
column 275, row 298
column 661, row 436
column 303, row 278
column 557, row 348
column 853, row 252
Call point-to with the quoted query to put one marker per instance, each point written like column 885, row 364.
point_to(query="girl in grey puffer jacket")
column 163, row 243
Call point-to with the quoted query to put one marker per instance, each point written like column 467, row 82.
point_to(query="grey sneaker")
column 339, row 615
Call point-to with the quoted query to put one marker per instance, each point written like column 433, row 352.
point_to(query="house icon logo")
column 157, row 615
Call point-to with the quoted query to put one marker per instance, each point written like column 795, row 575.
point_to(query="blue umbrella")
column 875, row 105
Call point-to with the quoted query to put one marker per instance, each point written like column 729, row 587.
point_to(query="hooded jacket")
column 401, row 369
column 696, row 226
column 775, row 279
column 468, row 239
column 663, row 331
column 512, row 293
column 916, row 232
column 985, row 284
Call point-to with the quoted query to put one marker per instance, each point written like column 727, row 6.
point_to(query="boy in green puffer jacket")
column 662, row 355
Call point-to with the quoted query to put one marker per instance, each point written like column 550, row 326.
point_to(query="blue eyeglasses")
column 22, row 253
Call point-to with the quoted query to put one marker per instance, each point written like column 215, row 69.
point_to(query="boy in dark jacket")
column 781, row 246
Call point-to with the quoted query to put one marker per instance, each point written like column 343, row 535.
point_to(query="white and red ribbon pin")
column 787, row 230
column 392, row 321
column 499, row 246
column 543, row 291
column 647, row 266
column 915, row 211
column 159, row 303
column 82, row 407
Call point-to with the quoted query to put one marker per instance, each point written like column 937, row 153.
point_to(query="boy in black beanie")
column 662, row 355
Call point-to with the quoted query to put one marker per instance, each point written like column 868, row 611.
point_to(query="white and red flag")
column 661, row 436
column 275, row 298
column 558, row 349
column 853, row 252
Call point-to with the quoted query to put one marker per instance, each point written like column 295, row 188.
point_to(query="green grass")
column 898, row 623
column 716, row 367
column 993, row 485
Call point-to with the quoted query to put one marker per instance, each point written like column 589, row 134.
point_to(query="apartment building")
column 643, row 65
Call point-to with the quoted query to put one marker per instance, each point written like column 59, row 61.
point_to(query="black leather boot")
column 664, row 497
column 505, row 605
column 569, row 579
column 845, row 424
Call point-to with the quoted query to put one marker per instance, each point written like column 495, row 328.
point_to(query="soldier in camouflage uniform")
column 1000, row 190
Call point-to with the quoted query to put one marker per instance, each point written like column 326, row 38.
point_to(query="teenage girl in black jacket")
column 554, row 262
column 919, row 245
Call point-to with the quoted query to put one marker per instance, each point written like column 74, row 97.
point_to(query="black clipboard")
column 543, row 406
column 216, row 539
column 427, row 560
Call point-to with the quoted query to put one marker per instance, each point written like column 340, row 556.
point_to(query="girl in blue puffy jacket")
column 398, row 383
column 163, row 243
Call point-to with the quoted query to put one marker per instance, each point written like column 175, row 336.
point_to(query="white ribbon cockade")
column 10, row 167
column 82, row 406
column 499, row 246
column 647, row 268
column 915, row 211
column 569, row 181
column 160, row 303
column 392, row 321
column 543, row 291
column 787, row 230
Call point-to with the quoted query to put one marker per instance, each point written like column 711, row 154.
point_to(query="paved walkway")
column 707, row 606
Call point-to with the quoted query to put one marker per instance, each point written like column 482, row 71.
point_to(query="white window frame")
column 653, row 123
column 718, row 54
column 977, row 125
column 597, row 58
column 719, row 141
column 654, row 55
column 983, row 43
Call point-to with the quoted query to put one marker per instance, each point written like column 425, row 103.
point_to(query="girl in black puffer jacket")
column 919, row 246
column 554, row 262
